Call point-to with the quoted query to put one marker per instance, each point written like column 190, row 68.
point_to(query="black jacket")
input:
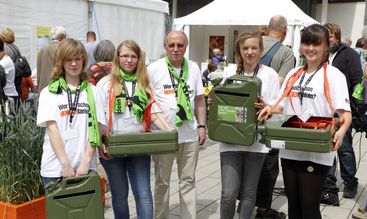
column 2, row 84
column 348, row 62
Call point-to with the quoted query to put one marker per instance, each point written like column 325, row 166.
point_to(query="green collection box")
column 285, row 133
column 232, row 117
column 155, row 142
column 75, row 198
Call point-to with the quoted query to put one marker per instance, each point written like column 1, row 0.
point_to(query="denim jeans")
column 347, row 162
column 240, row 172
column 47, row 180
column 135, row 169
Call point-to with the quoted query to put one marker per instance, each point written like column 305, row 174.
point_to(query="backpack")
column 22, row 68
column 266, row 59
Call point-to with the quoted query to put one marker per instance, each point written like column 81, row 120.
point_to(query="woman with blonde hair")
column 122, row 97
column 67, row 110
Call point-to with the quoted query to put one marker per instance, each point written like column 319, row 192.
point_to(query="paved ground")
column 209, row 187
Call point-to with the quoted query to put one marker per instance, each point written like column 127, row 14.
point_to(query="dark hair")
column 359, row 43
column 212, row 67
column 1, row 44
column 91, row 34
column 316, row 34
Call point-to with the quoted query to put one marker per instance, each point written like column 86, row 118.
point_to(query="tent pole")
column 365, row 13
column 174, row 9
column 324, row 8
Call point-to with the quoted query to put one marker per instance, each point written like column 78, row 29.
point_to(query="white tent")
column 230, row 17
column 116, row 20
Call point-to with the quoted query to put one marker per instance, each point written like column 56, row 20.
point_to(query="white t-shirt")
column 269, row 91
column 161, row 84
column 8, row 65
column 121, row 123
column 315, row 101
column 54, row 107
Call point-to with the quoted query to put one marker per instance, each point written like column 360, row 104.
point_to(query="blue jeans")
column 47, row 180
column 135, row 169
column 240, row 172
column 347, row 162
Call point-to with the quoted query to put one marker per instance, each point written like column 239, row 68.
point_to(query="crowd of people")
column 86, row 91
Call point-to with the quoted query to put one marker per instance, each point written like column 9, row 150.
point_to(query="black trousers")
column 268, row 178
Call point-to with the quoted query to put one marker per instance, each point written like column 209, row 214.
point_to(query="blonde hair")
column 8, row 36
column 241, row 38
column 67, row 49
column 140, row 71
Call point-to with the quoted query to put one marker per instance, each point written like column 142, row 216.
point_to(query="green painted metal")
column 155, row 142
column 232, row 117
column 275, row 134
column 75, row 198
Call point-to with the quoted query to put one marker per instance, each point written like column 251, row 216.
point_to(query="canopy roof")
column 246, row 12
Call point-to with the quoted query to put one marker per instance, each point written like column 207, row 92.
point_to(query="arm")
column 200, row 110
column 85, row 162
column 58, row 147
column 161, row 122
column 346, row 120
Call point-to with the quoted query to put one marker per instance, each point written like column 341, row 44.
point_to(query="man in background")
column 90, row 45
column 46, row 56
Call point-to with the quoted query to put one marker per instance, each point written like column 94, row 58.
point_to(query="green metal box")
column 75, row 198
column 285, row 133
column 155, row 142
column 232, row 113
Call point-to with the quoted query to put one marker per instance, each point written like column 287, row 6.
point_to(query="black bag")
column 22, row 68
column 2, row 84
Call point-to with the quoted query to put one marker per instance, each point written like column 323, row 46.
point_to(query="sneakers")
column 270, row 214
column 350, row 191
column 329, row 198
column 361, row 214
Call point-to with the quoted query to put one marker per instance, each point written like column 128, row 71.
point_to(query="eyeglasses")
column 127, row 57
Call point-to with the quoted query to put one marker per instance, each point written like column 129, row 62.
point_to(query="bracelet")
column 201, row 126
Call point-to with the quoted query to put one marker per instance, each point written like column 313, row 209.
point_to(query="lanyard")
column 174, row 85
column 129, row 98
column 303, row 88
column 255, row 71
column 73, row 106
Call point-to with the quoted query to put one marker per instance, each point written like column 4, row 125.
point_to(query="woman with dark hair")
column 241, row 165
column 122, row 96
column 304, row 173
column 67, row 110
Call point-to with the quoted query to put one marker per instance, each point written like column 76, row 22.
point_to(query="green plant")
column 20, row 157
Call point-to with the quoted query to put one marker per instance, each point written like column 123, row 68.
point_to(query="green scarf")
column 183, row 111
column 139, row 100
column 56, row 86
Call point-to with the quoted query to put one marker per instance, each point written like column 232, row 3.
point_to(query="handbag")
column 358, row 92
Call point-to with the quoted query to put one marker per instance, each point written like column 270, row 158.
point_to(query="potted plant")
column 21, row 190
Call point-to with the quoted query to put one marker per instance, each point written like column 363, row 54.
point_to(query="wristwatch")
column 201, row 126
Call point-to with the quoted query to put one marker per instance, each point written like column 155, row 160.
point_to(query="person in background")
column 217, row 56
column 346, row 41
column 211, row 67
column 348, row 62
column 103, row 54
column 90, row 45
column 46, row 56
column 282, row 62
column 304, row 173
column 28, row 89
column 176, row 83
column 361, row 52
column 67, row 110
column 240, row 170
column 8, row 65
column 128, row 82
column 13, row 52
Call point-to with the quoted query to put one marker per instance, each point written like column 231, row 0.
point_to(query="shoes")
column 361, row 214
column 270, row 214
column 329, row 198
column 350, row 191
